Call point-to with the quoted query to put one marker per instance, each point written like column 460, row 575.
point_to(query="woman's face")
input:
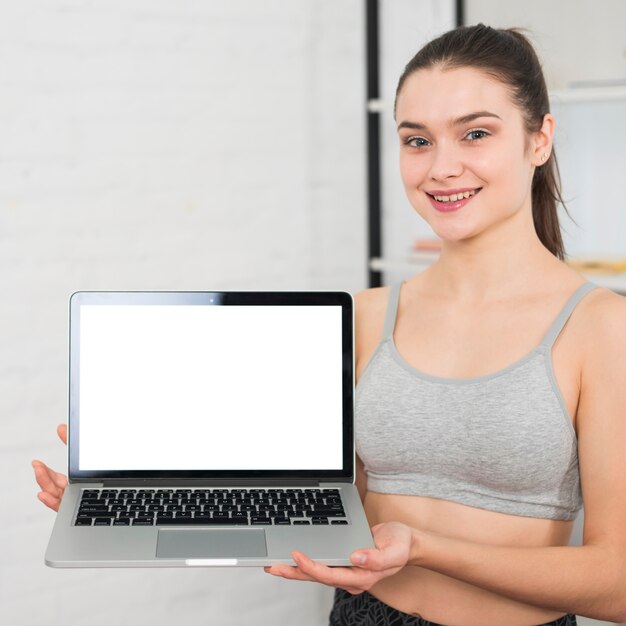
column 465, row 158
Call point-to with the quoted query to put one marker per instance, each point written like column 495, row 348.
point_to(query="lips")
column 449, row 200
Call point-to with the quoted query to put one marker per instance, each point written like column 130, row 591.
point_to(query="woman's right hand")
column 52, row 483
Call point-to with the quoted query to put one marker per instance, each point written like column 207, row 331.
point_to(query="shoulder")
column 370, row 306
column 371, row 301
column 602, row 324
column 601, row 336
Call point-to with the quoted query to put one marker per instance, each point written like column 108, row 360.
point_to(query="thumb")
column 376, row 559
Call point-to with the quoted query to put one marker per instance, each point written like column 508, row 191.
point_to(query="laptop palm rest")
column 211, row 543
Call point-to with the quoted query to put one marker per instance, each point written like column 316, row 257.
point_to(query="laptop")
column 209, row 429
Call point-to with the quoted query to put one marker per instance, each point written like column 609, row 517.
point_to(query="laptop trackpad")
column 210, row 543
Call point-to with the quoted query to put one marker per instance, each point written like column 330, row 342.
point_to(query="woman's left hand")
column 393, row 547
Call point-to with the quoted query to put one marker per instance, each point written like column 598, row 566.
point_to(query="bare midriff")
column 445, row 600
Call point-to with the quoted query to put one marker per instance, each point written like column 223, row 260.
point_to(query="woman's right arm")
column 52, row 483
column 369, row 308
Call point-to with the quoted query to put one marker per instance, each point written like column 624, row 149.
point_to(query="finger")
column 343, row 577
column 294, row 573
column 50, row 481
column 286, row 571
column 50, row 501
column 53, row 480
column 62, row 432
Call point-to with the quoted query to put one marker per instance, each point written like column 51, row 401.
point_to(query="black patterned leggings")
column 366, row 610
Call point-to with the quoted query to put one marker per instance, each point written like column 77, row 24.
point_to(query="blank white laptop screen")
column 176, row 387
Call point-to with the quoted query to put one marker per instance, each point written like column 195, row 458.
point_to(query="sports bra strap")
column 392, row 310
column 566, row 311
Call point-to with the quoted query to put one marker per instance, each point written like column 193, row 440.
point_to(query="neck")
column 499, row 263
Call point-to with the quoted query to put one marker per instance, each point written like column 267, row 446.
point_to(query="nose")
column 446, row 162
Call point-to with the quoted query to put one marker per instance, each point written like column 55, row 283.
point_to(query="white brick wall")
column 152, row 144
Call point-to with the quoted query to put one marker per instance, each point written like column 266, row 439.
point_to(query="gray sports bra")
column 502, row 442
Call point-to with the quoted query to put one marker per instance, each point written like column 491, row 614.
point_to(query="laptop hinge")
column 210, row 482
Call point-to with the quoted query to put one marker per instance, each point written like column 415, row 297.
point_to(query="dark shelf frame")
column 374, row 211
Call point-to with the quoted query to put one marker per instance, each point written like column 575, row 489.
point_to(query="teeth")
column 455, row 196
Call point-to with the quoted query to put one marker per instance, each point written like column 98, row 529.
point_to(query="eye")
column 416, row 142
column 476, row 134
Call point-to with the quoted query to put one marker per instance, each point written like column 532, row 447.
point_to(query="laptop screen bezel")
column 214, row 298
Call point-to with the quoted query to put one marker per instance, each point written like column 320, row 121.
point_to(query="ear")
column 541, row 143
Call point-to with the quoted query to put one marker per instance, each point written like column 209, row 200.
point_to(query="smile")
column 453, row 200
column 455, row 196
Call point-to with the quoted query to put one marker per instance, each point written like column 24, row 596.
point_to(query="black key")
column 89, row 495
column 237, row 515
column 300, row 521
column 229, row 507
column 93, row 507
column 220, row 516
column 143, row 522
column 83, row 521
column 320, row 521
column 174, row 507
column 199, row 521
column 122, row 521
column 152, row 507
column 282, row 521
column 193, row 507
column 228, row 522
column 248, row 507
column 261, row 520
column 101, row 514
column 119, row 507
column 102, row 521
column 136, row 507
column 339, row 521
column 266, row 507
column 211, row 507
column 327, row 513
column 183, row 515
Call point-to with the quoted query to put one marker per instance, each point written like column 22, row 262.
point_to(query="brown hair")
column 508, row 56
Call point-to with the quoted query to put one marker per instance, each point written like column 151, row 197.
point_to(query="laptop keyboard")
column 209, row 507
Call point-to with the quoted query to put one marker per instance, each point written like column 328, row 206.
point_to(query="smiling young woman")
column 490, row 397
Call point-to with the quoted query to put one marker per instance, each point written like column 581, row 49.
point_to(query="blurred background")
column 223, row 144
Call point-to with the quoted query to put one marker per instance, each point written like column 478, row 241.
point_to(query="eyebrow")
column 465, row 119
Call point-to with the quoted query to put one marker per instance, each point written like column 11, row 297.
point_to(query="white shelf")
column 615, row 282
column 558, row 96
column 588, row 94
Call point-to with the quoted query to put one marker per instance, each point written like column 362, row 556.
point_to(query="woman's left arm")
column 587, row 580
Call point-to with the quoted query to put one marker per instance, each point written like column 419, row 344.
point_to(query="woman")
column 481, row 404
column 490, row 386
